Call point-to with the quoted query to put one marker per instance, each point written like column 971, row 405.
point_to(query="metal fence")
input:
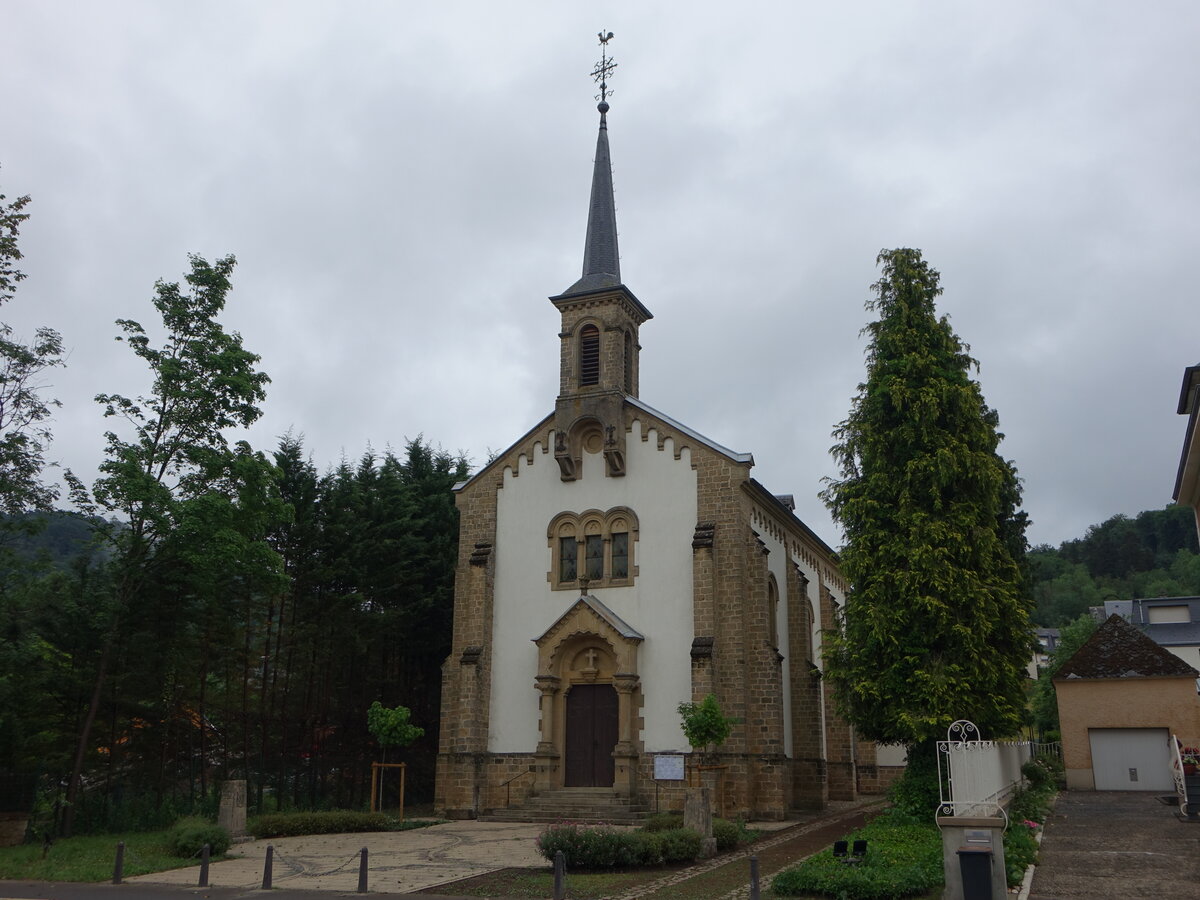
column 978, row 777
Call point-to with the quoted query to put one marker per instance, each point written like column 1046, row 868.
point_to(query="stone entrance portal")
column 590, row 698
column 591, row 735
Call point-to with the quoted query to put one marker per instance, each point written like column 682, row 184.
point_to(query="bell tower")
column 598, row 357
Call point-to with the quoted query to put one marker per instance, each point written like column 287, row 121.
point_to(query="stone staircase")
column 590, row 805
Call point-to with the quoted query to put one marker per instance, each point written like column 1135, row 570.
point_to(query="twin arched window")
column 594, row 545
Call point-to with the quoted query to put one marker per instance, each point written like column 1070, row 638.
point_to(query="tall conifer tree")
column 936, row 626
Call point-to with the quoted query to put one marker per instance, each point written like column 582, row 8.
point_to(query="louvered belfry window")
column 589, row 355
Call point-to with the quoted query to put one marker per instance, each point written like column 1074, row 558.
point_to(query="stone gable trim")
column 540, row 435
column 672, row 425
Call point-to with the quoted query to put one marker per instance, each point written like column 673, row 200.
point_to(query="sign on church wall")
column 668, row 767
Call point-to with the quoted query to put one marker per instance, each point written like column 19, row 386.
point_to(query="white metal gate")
column 1131, row 759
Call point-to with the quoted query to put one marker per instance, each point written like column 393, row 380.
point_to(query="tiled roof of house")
column 1120, row 650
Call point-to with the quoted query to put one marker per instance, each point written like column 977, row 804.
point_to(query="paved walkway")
column 421, row 860
column 1118, row 844
column 398, row 861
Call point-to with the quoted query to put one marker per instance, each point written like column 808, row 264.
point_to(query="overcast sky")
column 405, row 184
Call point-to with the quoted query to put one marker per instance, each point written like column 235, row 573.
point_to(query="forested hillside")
column 1154, row 554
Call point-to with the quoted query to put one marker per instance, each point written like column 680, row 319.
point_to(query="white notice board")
column 668, row 767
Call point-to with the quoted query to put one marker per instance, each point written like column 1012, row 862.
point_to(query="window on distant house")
column 1168, row 615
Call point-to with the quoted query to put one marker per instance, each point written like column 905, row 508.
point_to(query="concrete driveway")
column 1118, row 844
column 398, row 861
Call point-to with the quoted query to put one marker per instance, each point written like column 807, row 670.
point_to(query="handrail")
column 1177, row 774
column 508, row 789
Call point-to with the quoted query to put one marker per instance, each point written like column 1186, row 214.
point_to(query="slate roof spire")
column 601, row 258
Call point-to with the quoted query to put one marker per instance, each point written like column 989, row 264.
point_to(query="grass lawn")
column 538, row 883
column 89, row 858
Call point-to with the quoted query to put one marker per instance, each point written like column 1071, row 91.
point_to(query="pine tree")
column 936, row 626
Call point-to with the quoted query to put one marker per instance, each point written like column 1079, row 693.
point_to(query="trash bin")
column 975, row 866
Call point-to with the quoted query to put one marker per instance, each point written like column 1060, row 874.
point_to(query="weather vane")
column 604, row 68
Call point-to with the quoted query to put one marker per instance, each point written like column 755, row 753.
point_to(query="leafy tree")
column 936, row 625
column 704, row 725
column 24, row 435
column 176, row 464
column 391, row 727
column 1045, row 699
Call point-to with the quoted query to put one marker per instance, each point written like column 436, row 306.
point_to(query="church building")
column 614, row 563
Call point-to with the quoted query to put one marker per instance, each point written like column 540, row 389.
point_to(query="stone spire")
column 601, row 258
column 599, row 349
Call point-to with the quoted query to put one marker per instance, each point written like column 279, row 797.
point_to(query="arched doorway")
column 591, row 735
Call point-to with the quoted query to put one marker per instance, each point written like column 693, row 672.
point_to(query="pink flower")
column 1031, row 824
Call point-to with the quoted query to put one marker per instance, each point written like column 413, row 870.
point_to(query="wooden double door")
column 591, row 735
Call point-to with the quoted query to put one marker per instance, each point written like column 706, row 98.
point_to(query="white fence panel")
column 978, row 777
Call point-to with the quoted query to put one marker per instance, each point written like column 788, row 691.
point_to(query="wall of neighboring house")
column 1171, row 622
column 1135, row 702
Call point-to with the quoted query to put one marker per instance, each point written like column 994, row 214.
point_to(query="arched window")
column 772, row 611
column 594, row 545
column 589, row 355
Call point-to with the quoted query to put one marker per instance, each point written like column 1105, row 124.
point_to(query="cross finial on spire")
column 604, row 70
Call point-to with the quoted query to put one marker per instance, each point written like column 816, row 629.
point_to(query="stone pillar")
column 809, row 788
column 967, row 835
column 697, row 815
column 232, row 813
column 549, row 686
column 546, row 756
column 625, row 752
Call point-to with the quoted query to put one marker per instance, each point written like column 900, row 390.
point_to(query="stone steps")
column 588, row 805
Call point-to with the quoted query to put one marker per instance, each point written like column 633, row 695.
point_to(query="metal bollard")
column 362, row 872
column 267, row 868
column 204, row 854
column 560, row 875
column 754, row 876
column 119, row 863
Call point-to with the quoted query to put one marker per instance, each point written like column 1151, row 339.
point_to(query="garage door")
column 1131, row 759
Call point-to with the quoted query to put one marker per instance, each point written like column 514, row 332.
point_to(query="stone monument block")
column 697, row 815
column 232, row 814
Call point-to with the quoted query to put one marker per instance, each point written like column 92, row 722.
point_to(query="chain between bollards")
column 754, row 876
column 362, row 872
column 267, row 868
column 204, row 854
column 560, row 875
column 119, row 863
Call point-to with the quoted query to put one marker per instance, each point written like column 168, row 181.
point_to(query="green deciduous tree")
column 1045, row 699
column 24, row 435
column 391, row 727
column 190, row 515
column 936, row 624
column 704, row 725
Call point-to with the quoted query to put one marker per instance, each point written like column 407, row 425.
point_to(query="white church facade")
column 614, row 563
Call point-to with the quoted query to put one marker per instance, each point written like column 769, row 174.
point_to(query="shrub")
column 917, row 791
column 191, row 834
column 1043, row 772
column 604, row 847
column 729, row 835
column 663, row 822
column 680, row 844
column 1020, row 850
column 330, row 822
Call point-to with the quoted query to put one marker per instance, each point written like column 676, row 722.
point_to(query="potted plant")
column 1190, row 756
